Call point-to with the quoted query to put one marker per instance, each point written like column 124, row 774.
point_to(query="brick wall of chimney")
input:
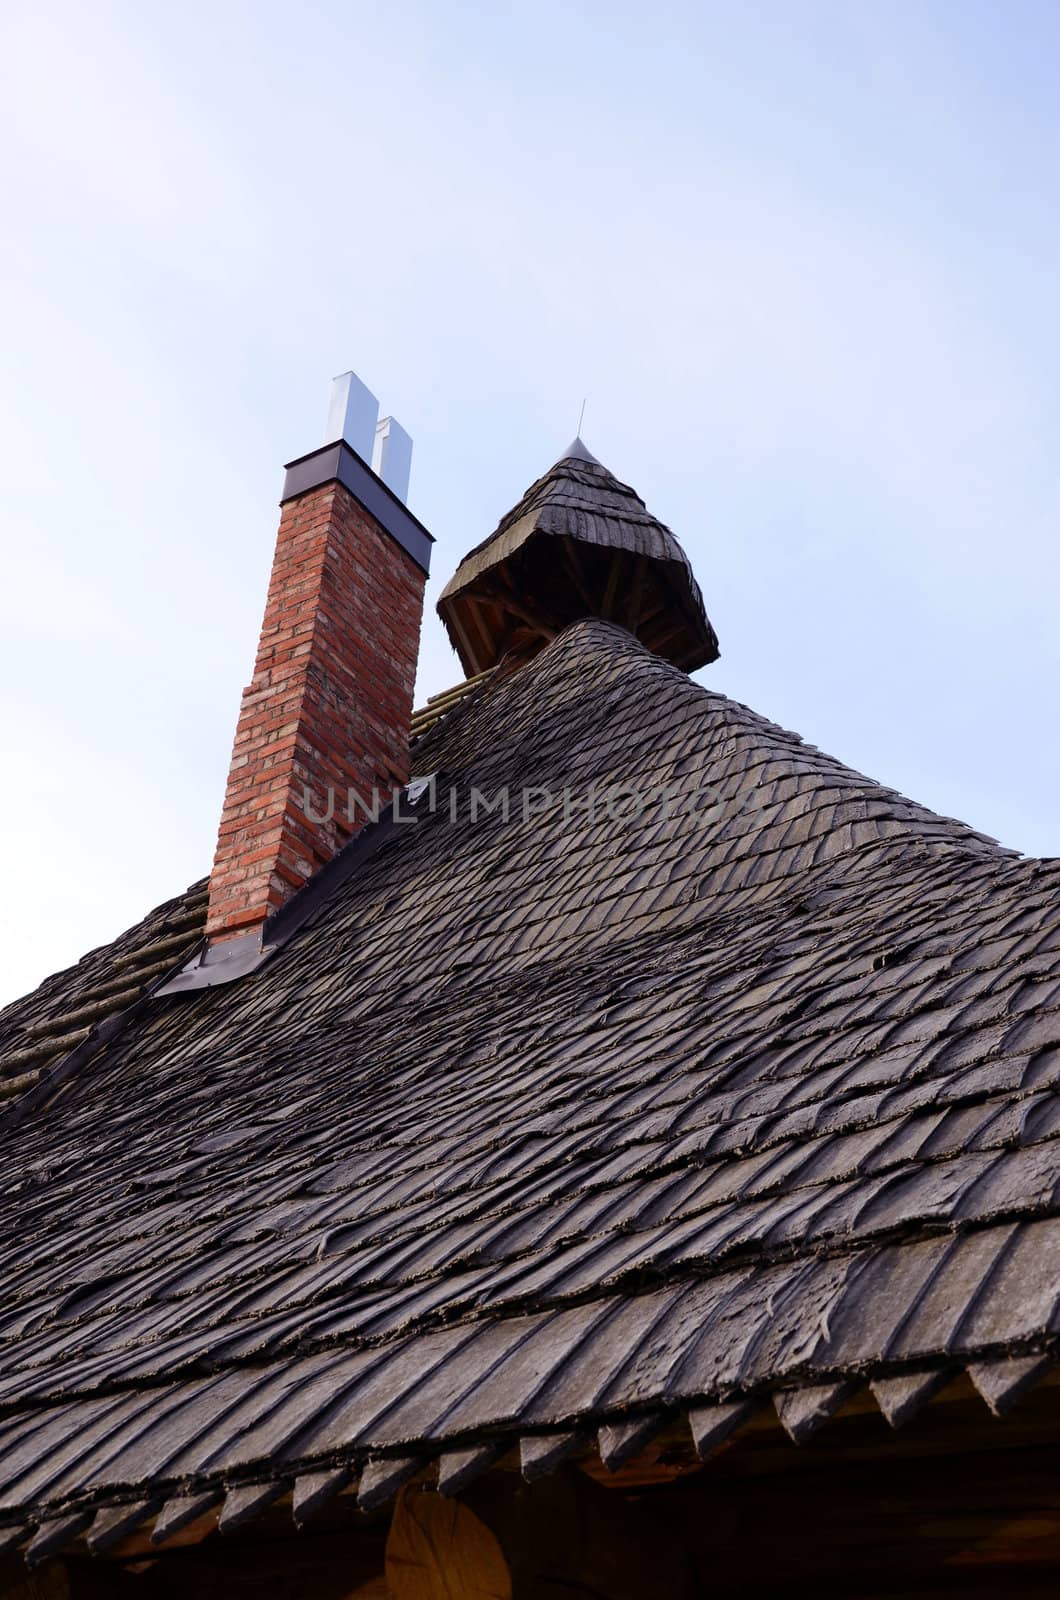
column 327, row 710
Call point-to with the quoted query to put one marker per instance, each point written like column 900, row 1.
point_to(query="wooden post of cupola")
column 328, row 707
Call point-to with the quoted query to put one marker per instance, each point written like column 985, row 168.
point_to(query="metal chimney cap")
column 382, row 444
column 392, row 456
column 352, row 414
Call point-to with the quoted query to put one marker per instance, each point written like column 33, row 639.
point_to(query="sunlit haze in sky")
column 801, row 257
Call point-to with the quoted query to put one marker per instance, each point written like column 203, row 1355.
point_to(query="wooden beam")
column 650, row 614
column 472, row 659
column 503, row 593
column 572, row 561
column 439, row 1550
column 646, row 1469
column 514, row 609
column 480, row 606
column 508, row 603
column 608, row 602
column 637, row 594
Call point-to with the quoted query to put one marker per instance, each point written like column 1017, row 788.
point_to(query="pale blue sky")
column 801, row 257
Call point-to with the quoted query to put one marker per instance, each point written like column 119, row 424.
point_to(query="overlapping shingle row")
column 61, row 1025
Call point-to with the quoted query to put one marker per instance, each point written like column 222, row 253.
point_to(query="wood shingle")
column 711, row 1075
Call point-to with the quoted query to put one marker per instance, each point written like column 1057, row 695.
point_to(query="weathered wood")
column 980, row 1521
column 55, row 1535
column 636, row 596
column 803, row 1411
column 572, row 561
column 471, row 654
column 191, row 1516
column 619, row 1442
column 644, row 1453
column 458, row 1468
column 247, row 1501
column 313, row 1490
column 901, row 1397
column 713, row 1426
column 524, row 615
column 381, row 1480
column 541, row 1453
column 579, row 504
column 439, row 1550
column 114, row 1523
column 1001, row 1382
column 607, row 604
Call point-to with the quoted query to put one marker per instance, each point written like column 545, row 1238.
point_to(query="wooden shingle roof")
column 61, row 1025
column 737, row 1088
column 579, row 543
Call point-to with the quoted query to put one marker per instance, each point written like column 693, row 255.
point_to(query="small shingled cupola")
column 578, row 544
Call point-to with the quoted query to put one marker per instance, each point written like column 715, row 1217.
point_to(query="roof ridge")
column 753, row 724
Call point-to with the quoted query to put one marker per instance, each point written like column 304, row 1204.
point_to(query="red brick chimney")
column 329, row 705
